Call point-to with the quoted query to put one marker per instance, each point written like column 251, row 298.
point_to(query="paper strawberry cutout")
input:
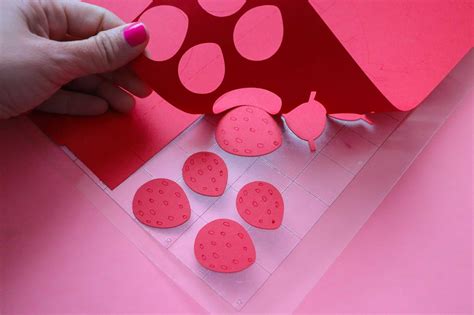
column 307, row 120
column 352, row 117
column 260, row 204
column 161, row 203
column 248, row 131
column 205, row 173
column 224, row 245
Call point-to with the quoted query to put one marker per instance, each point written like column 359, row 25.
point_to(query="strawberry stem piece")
column 312, row 145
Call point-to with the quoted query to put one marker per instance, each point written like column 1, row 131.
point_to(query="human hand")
column 67, row 57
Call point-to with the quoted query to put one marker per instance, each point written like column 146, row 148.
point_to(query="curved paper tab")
column 352, row 117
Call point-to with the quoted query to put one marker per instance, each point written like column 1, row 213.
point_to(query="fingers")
column 128, row 80
column 115, row 97
column 74, row 103
column 77, row 19
column 106, row 51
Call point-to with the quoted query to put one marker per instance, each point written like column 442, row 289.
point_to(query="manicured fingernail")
column 135, row 34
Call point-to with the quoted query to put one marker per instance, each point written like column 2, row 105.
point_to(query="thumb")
column 108, row 50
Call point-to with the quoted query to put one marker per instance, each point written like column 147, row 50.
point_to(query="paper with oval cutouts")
column 355, row 64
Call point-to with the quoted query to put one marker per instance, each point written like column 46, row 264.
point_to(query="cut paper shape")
column 223, row 245
column 248, row 131
column 170, row 25
column 114, row 145
column 352, row 117
column 205, row 173
column 221, row 8
column 259, row 32
column 261, row 98
column 161, row 203
column 260, row 204
column 201, row 69
column 308, row 120
column 312, row 57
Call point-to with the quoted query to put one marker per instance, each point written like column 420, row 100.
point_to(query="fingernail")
column 135, row 34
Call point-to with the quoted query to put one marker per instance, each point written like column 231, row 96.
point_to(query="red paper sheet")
column 359, row 56
column 115, row 145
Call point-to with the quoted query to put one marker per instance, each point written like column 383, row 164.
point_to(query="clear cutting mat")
column 328, row 196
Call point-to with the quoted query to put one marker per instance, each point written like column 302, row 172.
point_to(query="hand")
column 67, row 57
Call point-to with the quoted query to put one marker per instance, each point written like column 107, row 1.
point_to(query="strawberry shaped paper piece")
column 205, row 173
column 161, row 203
column 248, row 131
column 260, row 204
column 224, row 245
column 307, row 121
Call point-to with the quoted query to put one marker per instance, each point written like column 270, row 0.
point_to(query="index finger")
column 78, row 19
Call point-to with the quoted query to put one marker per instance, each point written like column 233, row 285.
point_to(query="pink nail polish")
column 135, row 34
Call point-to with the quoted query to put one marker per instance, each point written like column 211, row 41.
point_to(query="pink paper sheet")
column 406, row 47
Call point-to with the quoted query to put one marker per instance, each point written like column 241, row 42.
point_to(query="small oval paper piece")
column 201, row 69
column 221, row 8
column 167, row 27
column 260, row 204
column 205, row 173
column 351, row 117
column 307, row 120
column 258, row 34
column 261, row 98
column 248, row 131
column 224, row 245
column 161, row 203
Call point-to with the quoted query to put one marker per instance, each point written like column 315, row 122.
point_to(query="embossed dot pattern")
column 224, row 245
column 205, row 173
column 161, row 203
column 260, row 204
column 248, row 131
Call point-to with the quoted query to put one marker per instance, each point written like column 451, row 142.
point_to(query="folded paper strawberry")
column 224, row 245
column 161, row 203
column 205, row 173
column 260, row 204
